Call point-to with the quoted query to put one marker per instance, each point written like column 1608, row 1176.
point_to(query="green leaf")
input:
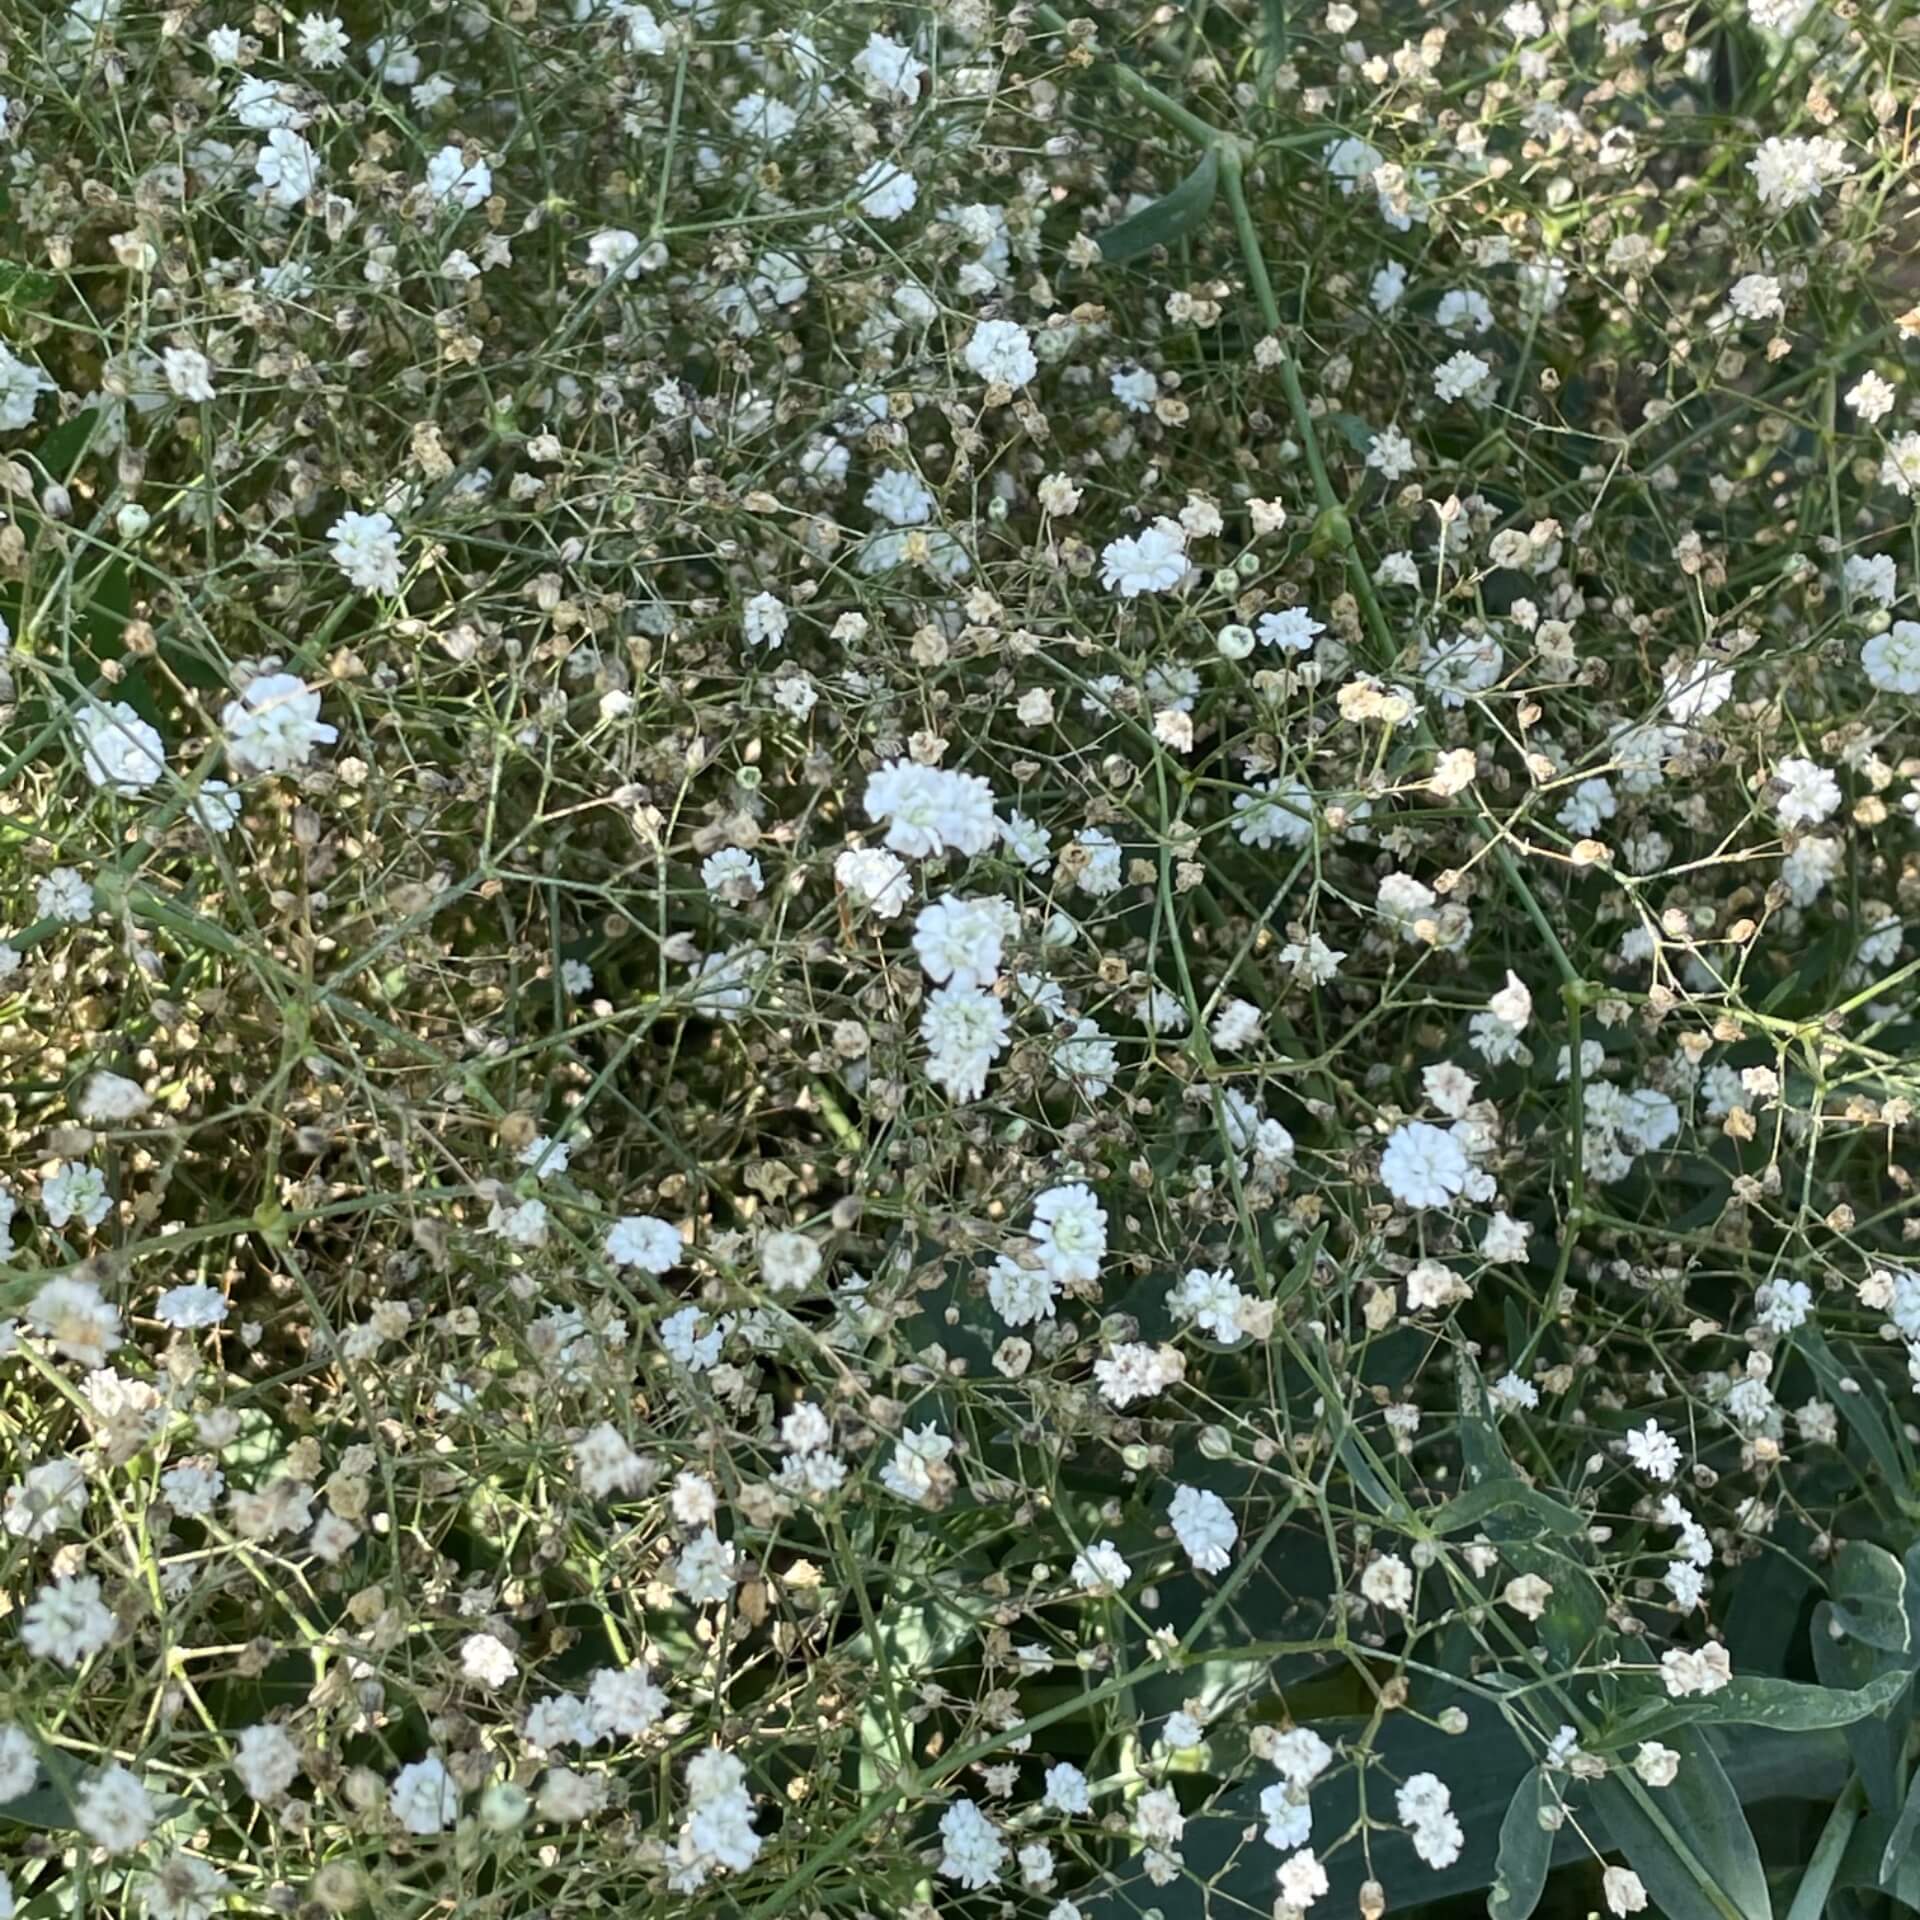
column 1899, row 1848
column 1860, row 1408
column 1354, row 431
column 1877, row 1739
column 1471, row 1508
column 1690, row 1842
column 1869, row 1588
column 65, row 447
column 1169, row 217
column 1870, row 1861
column 21, row 286
column 1526, row 1851
column 1274, row 37
column 1787, row 1706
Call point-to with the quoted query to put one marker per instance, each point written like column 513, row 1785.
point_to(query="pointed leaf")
column 1172, row 215
column 1900, row 1842
column 1869, row 1589
column 1787, row 1706
column 1690, row 1842
column 1471, row 1508
column 1526, row 1851
column 20, row 285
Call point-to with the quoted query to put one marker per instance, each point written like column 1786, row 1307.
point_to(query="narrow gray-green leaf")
column 1905, row 1831
column 1690, row 1842
column 1859, row 1403
column 1526, row 1851
column 1172, row 215
column 1471, row 1508
column 1787, row 1706
column 1274, row 38
column 1869, row 1588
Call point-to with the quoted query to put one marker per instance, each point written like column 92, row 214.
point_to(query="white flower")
column 64, row 895
column 1135, row 388
column 1151, row 561
column 1790, row 172
column 965, row 1030
column 1655, row 1453
column 114, row 1810
column 366, row 548
column 1289, row 1817
column 1461, row 376
column 733, row 875
column 888, row 71
column 763, row 117
column 1463, row 310
column 118, row 750
column 287, row 167
column 51, row 1499
column 1279, row 813
column 899, row 498
column 1001, row 353
column 1388, row 1582
column 623, row 1702
column 1351, row 161
column 1808, row 792
column 1235, row 1027
column 926, row 809
column 75, row 1192
column 972, row 1851
column 1871, row 397
column 191, row 1307
column 789, row 1261
column 1066, row 1789
column 616, row 251
column 1204, row 1526
column 1623, row 1891
column 962, row 941
column 763, row 622
column 1892, row 659
column 451, row 177
column 1456, row 669
column 1424, row 1166
column 645, row 1241
column 1756, row 296
column 1695, row 693
column 275, row 725
column 1070, row 1232
column 19, row 1762
column 1100, row 1568
column 1134, row 1371
column 487, row 1660
column 188, row 373
column 705, row 1571
column 267, row 1762
column 323, row 42
column 21, row 386
column 918, row 1470
column 1900, row 468
column 67, row 1622
column 1292, row 629
column 1100, row 872
column 1392, row 456
column 423, row 1796
column 1872, row 576
column 875, row 879
column 885, row 191
column 1301, row 1880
